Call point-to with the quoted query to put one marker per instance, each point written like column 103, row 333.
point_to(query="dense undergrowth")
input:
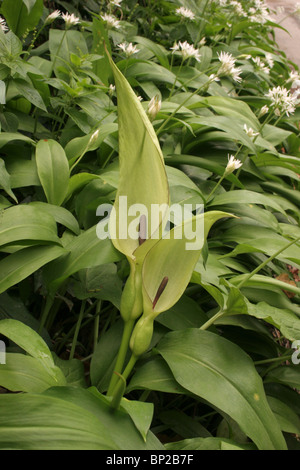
column 221, row 370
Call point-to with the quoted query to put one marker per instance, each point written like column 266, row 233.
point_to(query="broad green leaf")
column 288, row 375
column 119, row 425
column 283, row 319
column 101, row 67
column 17, row 266
column 51, row 424
column 53, row 170
column 29, row 92
column 78, row 146
column 6, row 137
column 18, row 16
column 60, row 214
column 27, row 339
column 143, row 177
column 221, row 373
column 84, row 251
column 62, row 44
column 288, row 420
column 155, row 375
column 27, row 374
column 245, row 197
column 25, row 222
column 73, row 370
column 5, row 180
column 141, row 414
column 40, row 366
column 207, row 443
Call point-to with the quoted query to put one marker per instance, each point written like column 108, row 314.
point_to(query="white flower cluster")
column 260, row 64
column 233, row 164
column 111, row 21
column 70, row 20
column 185, row 13
column 129, row 49
column 228, row 67
column 116, row 3
column 282, row 100
column 187, row 50
column 3, row 25
column 259, row 12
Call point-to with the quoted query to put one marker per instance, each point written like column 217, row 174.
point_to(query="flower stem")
column 212, row 320
column 267, row 261
column 78, row 325
column 128, row 327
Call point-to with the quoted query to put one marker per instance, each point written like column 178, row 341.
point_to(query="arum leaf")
column 143, row 177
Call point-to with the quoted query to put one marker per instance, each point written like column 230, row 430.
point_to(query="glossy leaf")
column 220, row 372
column 53, row 170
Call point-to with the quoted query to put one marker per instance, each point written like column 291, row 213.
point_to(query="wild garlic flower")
column 269, row 60
column 250, row 132
column 3, row 25
column 261, row 65
column 238, row 9
column 116, row 3
column 232, row 165
column 228, row 67
column 111, row 89
column 264, row 110
column 279, row 10
column 187, row 50
column 259, row 13
column 185, row 13
column 129, row 49
column 111, row 21
column 70, row 20
column 282, row 100
column 53, row 16
column 294, row 78
column 154, row 107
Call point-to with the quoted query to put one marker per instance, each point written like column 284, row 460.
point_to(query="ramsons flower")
column 53, row 16
column 228, row 67
column 70, row 20
column 154, row 107
column 232, row 165
column 111, row 21
column 3, row 25
column 261, row 65
column 185, row 13
column 187, row 50
column 250, row 132
column 129, row 49
column 282, row 100
column 116, row 3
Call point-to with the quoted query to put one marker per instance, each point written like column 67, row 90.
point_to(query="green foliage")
column 164, row 108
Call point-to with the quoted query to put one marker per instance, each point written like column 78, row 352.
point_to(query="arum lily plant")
column 161, row 264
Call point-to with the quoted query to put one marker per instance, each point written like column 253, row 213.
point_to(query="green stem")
column 215, row 187
column 182, row 104
column 267, row 261
column 78, row 325
column 57, row 52
column 96, row 323
column 212, row 320
column 129, row 366
column 176, row 76
column 46, row 310
column 128, row 327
